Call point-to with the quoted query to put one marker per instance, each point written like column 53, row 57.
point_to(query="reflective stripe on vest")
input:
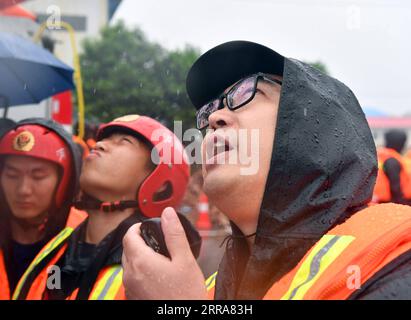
column 109, row 284
column 368, row 240
column 210, row 282
column 75, row 218
column 48, row 248
column 322, row 255
column 376, row 236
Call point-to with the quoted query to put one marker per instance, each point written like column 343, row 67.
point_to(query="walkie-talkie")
column 153, row 235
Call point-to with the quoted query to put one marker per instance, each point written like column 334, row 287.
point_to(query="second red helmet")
column 172, row 169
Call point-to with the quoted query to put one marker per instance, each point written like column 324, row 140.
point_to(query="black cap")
column 227, row 63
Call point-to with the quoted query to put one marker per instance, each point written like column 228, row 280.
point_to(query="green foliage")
column 124, row 73
column 320, row 66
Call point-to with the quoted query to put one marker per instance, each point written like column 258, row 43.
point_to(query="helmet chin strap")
column 91, row 203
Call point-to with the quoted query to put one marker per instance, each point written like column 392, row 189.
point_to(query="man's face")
column 29, row 186
column 234, row 184
column 115, row 168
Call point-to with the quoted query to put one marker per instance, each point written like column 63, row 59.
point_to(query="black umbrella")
column 29, row 73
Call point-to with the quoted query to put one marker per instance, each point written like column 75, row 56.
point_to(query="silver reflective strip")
column 315, row 264
column 108, row 284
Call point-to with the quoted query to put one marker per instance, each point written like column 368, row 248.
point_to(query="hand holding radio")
column 172, row 274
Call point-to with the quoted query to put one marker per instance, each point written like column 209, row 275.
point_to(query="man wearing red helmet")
column 39, row 169
column 136, row 170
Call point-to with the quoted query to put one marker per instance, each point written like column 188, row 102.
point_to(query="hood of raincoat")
column 395, row 139
column 323, row 168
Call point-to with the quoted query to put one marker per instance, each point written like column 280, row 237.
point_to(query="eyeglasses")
column 239, row 95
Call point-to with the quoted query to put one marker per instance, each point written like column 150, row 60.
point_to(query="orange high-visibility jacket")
column 382, row 192
column 75, row 218
column 108, row 285
column 346, row 257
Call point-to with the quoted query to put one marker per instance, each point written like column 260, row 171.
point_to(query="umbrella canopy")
column 29, row 73
column 8, row 3
column 26, row 28
column 18, row 11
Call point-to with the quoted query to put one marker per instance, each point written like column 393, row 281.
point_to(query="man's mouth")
column 24, row 204
column 93, row 154
column 216, row 146
column 220, row 147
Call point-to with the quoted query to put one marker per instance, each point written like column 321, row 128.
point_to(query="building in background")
column 380, row 125
column 86, row 17
column 381, row 122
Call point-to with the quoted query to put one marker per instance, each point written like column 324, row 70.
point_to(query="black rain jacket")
column 323, row 170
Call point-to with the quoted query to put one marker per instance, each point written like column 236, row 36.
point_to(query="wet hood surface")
column 323, row 169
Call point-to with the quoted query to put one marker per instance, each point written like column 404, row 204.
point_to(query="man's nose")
column 221, row 118
column 25, row 187
column 101, row 145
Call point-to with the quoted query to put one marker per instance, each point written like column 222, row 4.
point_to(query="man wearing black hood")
column 301, row 226
column 393, row 183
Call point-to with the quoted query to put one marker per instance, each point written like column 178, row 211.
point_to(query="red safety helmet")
column 35, row 140
column 172, row 164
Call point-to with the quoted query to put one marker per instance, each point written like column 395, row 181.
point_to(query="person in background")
column 394, row 180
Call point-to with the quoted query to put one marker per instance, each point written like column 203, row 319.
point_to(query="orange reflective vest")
column 108, row 285
column 74, row 219
column 407, row 162
column 382, row 192
column 4, row 281
column 347, row 256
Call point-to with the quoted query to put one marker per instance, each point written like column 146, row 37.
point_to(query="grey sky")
column 366, row 44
